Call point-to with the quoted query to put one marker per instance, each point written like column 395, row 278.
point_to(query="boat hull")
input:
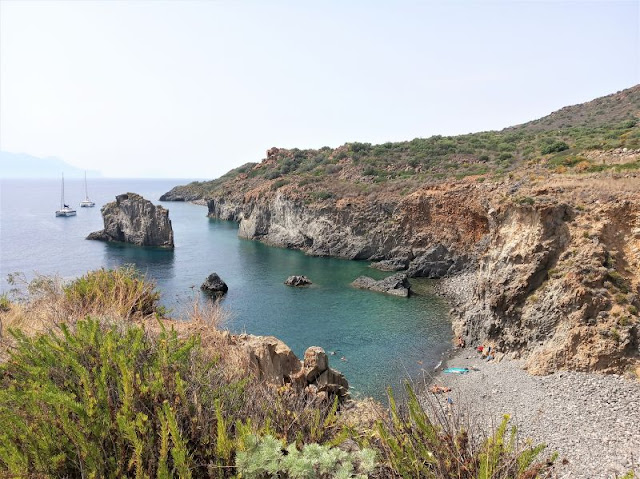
column 87, row 204
column 66, row 213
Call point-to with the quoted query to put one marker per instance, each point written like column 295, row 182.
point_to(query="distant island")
column 23, row 165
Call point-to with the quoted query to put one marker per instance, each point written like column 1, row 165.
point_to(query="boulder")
column 315, row 363
column 214, row 285
column 271, row 359
column 396, row 284
column 274, row 362
column 298, row 281
column 132, row 219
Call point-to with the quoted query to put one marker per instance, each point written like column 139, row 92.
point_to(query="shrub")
column 619, row 281
column 416, row 444
column 5, row 304
column 555, row 147
column 122, row 289
column 265, row 457
column 278, row 184
column 98, row 400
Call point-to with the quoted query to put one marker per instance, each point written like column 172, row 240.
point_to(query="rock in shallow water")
column 214, row 285
column 132, row 219
column 297, row 281
column 396, row 284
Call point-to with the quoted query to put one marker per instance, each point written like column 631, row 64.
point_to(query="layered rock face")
column 552, row 282
column 132, row 219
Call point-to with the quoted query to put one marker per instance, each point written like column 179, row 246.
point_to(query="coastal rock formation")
column 132, row 219
column 556, row 283
column 538, row 248
column 274, row 362
column 298, row 281
column 214, row 285
column 396, row 284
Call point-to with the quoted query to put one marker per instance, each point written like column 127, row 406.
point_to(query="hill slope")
column 568, row 138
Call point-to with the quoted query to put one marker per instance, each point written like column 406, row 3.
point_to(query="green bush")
column 97, row 400
column 123, row 289
column 554, row 147
column 264, row 457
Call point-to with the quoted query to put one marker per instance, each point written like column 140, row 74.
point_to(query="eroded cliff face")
column 133, row 219
column 547, row 278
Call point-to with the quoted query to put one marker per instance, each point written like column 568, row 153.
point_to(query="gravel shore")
column 591, row 420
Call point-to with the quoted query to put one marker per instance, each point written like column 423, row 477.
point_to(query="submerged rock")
column 132, row 219
column 396, row 284
column 214, row 284
column 298, row 281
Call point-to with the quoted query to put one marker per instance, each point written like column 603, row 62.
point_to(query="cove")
column 384, row 340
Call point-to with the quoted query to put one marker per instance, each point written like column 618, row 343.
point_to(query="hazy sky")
column 194, row 88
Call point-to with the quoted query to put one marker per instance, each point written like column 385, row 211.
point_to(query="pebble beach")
column 591, row 420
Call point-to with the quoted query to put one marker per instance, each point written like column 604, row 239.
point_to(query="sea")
column 376, row 340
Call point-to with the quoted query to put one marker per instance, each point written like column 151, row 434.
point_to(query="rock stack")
column 214, row 285
column 132, row 219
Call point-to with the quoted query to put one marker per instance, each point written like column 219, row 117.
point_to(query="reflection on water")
column 155, row 263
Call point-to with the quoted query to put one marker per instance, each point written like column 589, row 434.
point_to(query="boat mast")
column 62, row 193
column 86, row 193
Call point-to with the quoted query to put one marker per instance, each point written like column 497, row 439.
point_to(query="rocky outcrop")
column 426, row 230
column 132, row 219
column 298, row 281
column 214, row 285
column 550, row 272
column 274, row 362
column 396, row 284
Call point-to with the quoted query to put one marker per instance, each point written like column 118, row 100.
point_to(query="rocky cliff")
column 534, row 230
column 132, row 219
column 547, row 272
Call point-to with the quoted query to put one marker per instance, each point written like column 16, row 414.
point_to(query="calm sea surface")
column 384, row 339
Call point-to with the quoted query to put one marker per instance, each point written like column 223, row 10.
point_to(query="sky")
column 191, row 89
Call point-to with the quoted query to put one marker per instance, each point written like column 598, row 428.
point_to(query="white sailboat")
column 86, row 203
column 65, row 210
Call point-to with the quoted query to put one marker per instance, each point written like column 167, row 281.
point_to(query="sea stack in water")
column 132, row 219
column 214, row 285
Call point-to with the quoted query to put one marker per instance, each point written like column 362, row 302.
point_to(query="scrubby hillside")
column 569, row 140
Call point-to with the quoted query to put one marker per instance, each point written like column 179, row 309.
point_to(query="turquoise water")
column 383, row 339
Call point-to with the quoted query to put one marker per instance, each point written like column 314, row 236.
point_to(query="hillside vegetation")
column 124, row 392
column 565, row 141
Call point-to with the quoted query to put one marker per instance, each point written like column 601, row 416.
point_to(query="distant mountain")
column 22, row 165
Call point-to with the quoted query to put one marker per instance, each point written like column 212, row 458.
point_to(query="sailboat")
column 65, row 210
column 86, row 203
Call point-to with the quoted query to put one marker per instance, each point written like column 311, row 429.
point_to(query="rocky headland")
column 133, row 219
